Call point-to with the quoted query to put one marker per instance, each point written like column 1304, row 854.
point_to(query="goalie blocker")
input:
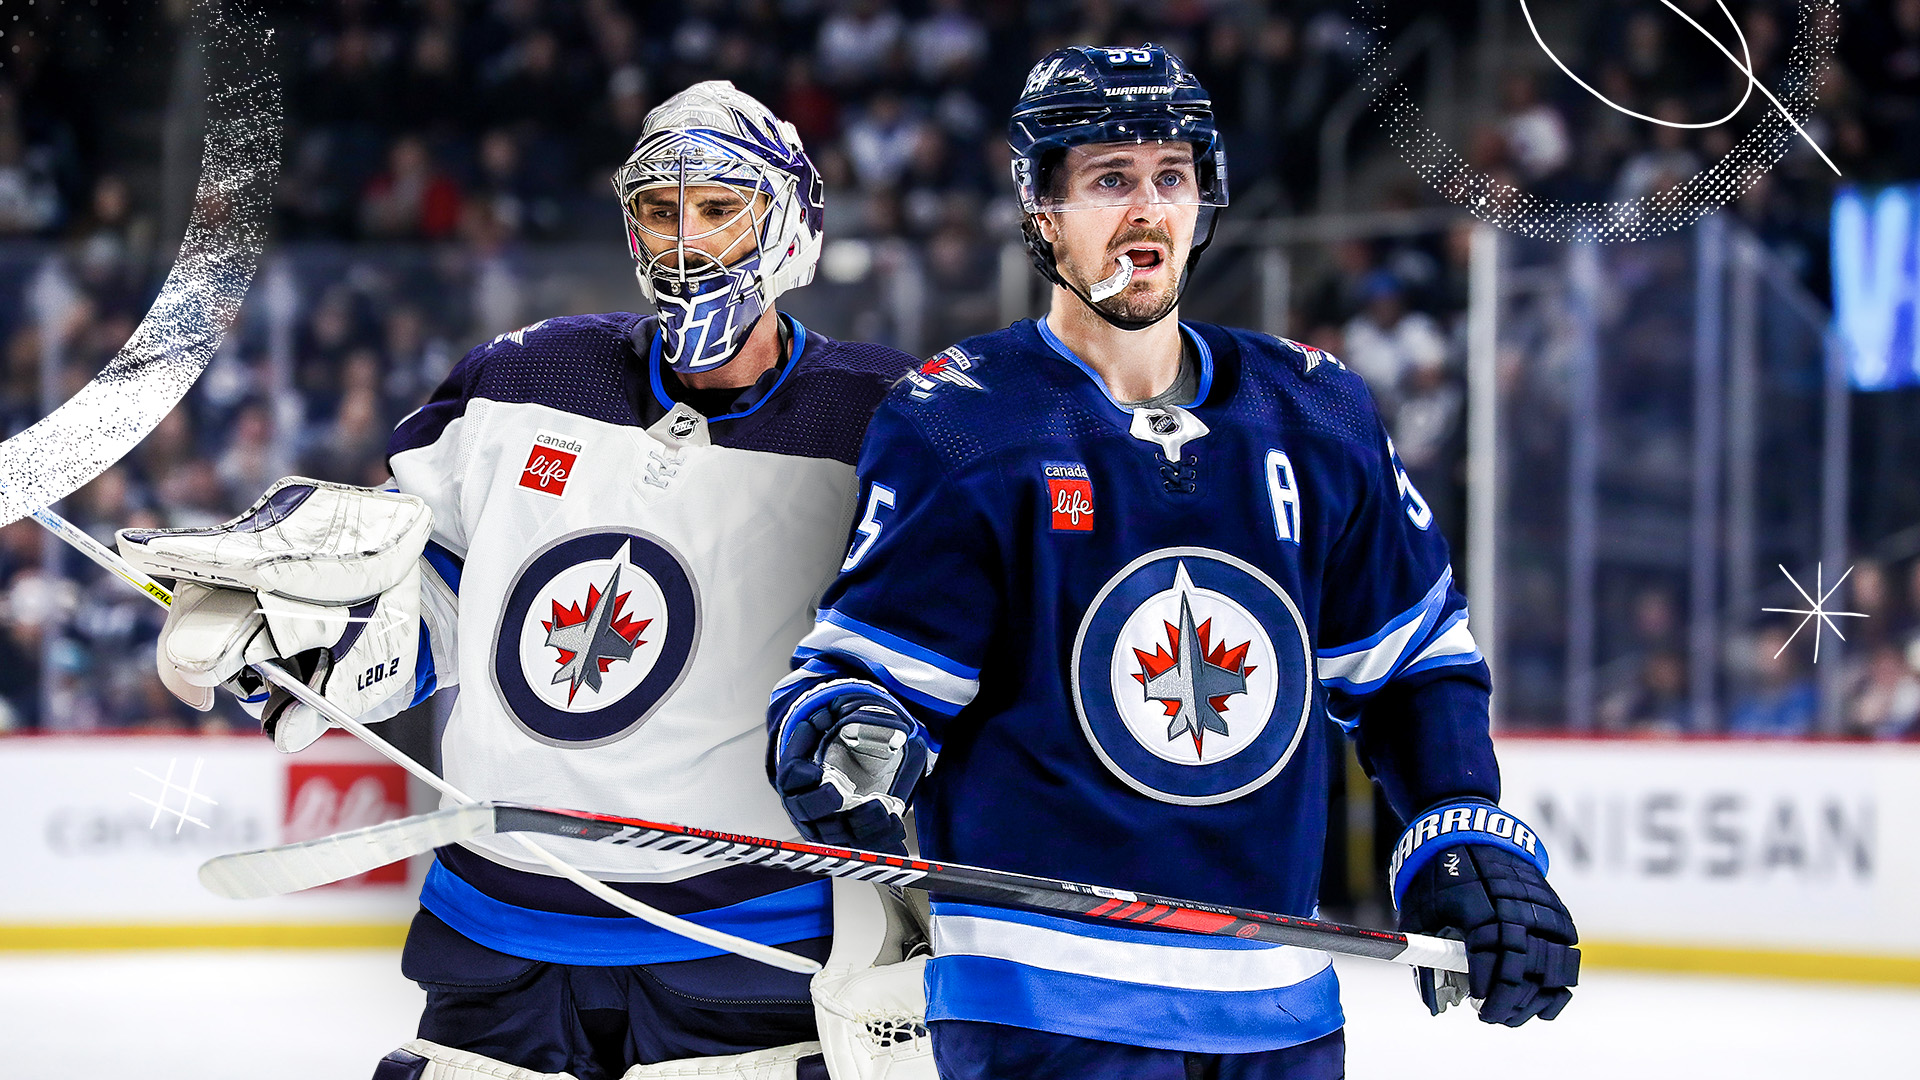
column 326, row 577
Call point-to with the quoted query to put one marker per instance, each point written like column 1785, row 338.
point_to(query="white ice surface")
column 331, row 1015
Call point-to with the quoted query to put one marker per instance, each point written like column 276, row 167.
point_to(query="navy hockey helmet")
column 1084, row 94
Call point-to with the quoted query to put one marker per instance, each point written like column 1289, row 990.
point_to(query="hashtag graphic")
column 167, row 786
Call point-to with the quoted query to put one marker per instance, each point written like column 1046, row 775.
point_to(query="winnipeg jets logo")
column 1187, row 676
column 947, row 366
column 584, row 641
column 1193, row 679
column 597, row 630
column 591, row 641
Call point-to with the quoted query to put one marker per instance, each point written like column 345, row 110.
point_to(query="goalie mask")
column 711, row 278
column 1083, row 95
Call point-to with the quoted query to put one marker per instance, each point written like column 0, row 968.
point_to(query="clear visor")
column 1110, row 175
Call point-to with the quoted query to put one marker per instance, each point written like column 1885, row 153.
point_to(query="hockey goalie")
column 610, row 531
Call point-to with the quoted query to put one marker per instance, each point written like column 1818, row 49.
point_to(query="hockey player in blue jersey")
column 632, row 518
column 1117, row 585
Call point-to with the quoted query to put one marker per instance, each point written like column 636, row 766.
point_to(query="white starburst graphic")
column 167, row 786
column 1818, row 610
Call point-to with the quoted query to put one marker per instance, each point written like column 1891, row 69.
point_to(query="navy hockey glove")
column 847, row 768
column 1471, row 871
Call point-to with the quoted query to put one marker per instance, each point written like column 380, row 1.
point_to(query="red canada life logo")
column 1070, row 490
column 326, row 798
column 550, row 463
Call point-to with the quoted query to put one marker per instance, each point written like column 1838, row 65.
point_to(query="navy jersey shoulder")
column 1308, row 389
column 1009, row 388
column 985, row 395
column 820, row 405
column 576, row 363
column 596, row 366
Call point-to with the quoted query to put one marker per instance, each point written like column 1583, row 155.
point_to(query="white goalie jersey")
column 617, row 582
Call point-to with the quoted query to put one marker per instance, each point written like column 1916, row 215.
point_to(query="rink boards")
column 1763, row 857
column 1792, row 858
column 91, row 862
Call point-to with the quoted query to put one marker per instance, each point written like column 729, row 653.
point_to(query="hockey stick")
column 279, row 676
column 292, row 867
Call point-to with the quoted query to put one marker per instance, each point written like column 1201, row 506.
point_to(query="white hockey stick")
column 292, row 867
column 286, row 680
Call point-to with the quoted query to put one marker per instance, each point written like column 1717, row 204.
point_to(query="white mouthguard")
column 1112, row 286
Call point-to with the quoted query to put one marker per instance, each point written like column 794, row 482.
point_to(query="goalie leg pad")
column 799, row 1061
column 425, row 1060
column 870, row 1000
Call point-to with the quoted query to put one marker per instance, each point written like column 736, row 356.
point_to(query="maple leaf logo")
column 1192, row 676
column 592, row 639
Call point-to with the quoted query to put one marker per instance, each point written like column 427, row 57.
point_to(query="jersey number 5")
column 869, row 528
column 1417, row 511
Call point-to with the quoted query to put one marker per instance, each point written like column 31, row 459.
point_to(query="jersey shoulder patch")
column 977, row 397
column 1309, row 387
column 950, row 366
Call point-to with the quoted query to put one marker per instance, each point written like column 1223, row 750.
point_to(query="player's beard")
column 1140, row 301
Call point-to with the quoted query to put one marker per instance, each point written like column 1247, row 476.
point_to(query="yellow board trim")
column 1763, row 963
column 205, row 936
column 1702, row 960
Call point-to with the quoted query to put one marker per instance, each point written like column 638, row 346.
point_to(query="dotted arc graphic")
column 1446, row 171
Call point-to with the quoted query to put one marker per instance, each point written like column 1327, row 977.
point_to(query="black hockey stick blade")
column 316, row 862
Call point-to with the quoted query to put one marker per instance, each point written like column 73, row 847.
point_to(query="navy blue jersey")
column 1132, row 635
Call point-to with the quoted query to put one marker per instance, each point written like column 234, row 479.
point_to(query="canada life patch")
column 1070, row 495
column 550, row 463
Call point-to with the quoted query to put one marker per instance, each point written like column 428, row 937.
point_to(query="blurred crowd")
column 1645, row 690
column 444, row 158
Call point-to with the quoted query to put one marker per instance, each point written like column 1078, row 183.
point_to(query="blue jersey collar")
column 1199, row 344
column 752, row 397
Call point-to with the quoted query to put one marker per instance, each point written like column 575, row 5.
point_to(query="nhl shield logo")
column 1191, row 676
column 598, row 628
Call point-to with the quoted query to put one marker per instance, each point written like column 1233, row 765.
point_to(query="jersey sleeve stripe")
column 921, row 676
column 848, row 656
column 1451, row 644
column 445, row 564
column 1436, row 596
column 898, row 644
column 1367, row 665
column 814, row 668
column 1067, row 948
column 424, row 681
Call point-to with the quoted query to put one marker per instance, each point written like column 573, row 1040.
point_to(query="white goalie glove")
column 323, row 577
